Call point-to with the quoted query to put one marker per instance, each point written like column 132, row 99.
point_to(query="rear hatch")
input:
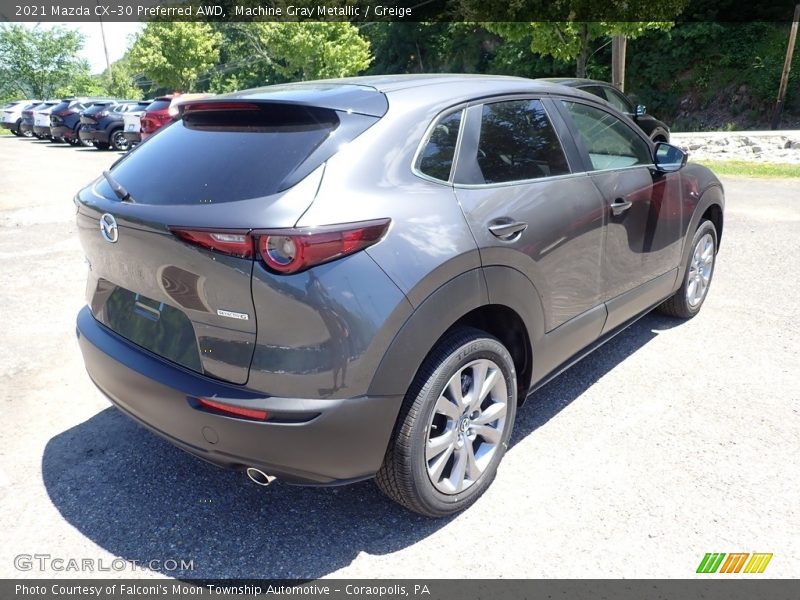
column 223, row 169
column 132, row 121
column 27, row 114
column 94, row 113
column 58, row 113
column 41, row 117
column 156, row 115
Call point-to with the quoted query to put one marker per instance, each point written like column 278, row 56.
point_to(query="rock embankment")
column 754, row 146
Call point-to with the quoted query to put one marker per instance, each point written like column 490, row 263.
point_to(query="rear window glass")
column 437, row 156
column 217, row 156
column 96, row 108
column 158, row 105
column 61, row 106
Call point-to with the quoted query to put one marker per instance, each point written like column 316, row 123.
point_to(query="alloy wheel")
column 700, row 270
column 466, row 426
column 119, row 141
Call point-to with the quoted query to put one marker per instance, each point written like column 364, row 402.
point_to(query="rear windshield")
column 217, row 156
column 158, row 105
column 97, row 108
column 61, row 106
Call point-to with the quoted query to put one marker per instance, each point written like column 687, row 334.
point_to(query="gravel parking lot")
column 673, row 440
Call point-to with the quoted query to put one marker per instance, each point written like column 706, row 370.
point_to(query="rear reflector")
column 237, row 411
column 236, row 243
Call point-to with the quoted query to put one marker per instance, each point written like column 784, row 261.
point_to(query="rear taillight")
column 235, row 411
column 234, row 243
column 292, row 250
column 288, row 251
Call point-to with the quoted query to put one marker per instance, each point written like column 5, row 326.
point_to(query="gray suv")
column 363, row 278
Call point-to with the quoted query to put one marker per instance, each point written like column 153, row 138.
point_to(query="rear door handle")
column 507, row 229
column 619, row 206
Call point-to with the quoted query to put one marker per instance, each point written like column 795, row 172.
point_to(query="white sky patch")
column 117, row 35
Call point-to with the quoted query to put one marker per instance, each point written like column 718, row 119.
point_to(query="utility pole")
column 787, row 66
column 618, row 47
column 105, row 47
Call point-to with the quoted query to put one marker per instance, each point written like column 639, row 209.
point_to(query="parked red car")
column 156, row 115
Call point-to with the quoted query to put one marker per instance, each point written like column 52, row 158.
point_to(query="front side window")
column 518, row 143
column 611, row 144
column 437, row 155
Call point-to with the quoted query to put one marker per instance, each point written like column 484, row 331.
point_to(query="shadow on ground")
column 142, row 499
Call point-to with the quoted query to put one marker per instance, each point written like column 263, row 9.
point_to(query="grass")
column 745, row 168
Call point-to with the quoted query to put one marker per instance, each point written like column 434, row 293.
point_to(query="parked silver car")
column 333, row 281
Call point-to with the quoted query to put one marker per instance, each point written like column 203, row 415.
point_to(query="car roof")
column 575, row 81
column 363, row 94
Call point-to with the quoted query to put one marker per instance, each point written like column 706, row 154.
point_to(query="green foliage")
column 401, row 47
column 174, row 55
column 709, row 75
column 743, row 168
column 122, row 83
column 571, row 40
column 256, row 54
column 37, row 62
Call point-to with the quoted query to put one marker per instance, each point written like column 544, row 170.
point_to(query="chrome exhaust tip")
column 258, row 476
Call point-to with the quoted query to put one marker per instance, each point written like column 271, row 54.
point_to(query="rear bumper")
column 61, row 131
column 315, row 442
column 41, row 130
column 133, row 137
column 25, row 127
column 87, row 133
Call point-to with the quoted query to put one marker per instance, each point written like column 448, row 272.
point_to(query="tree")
column 409, row 47
column 174, row 55
column 122, row 83
column 36, row 62
column 571, row 40
column 262, row 53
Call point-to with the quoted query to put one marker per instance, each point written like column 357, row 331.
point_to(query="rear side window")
column 517, row 143
column 224, row 155
column 611, row 144
column 440, row 148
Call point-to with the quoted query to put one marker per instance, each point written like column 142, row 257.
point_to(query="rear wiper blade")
column 120, row 191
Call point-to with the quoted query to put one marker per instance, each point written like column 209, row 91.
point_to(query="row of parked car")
column 100, row 122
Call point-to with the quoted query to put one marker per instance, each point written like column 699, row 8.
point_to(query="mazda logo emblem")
column 108, row 228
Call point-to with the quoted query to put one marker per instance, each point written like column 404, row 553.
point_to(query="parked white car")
column 41, row 121
column 12, row 115
column 132, row 123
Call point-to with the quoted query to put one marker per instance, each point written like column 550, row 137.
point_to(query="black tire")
column 403, row 476
column 100, row 145
column 118, row 140
column 16, row 130
column 678, row 304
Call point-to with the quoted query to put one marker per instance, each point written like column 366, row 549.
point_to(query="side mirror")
column 668, row 158
column 641, row 110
